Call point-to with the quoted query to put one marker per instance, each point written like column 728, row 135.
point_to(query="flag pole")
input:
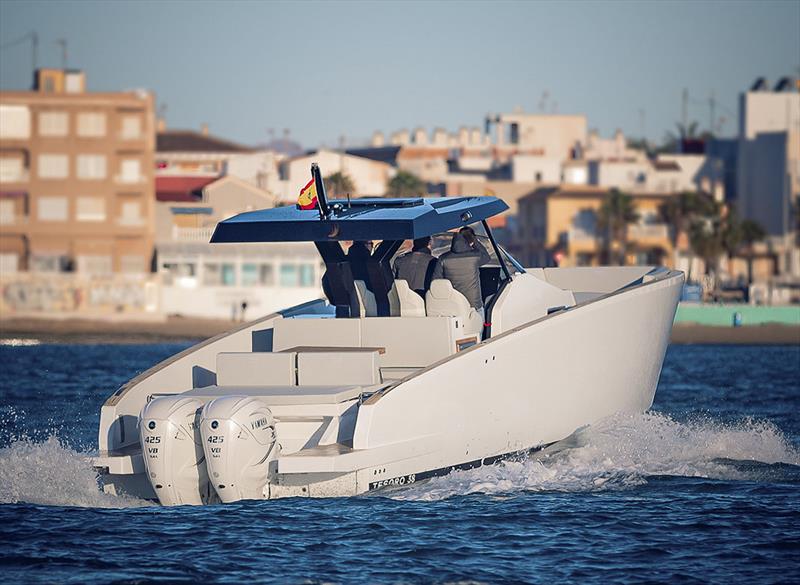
column 322, row 198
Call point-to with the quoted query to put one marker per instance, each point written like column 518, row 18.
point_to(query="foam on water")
column 48, row 472
column 617, row 453
column 623, row 451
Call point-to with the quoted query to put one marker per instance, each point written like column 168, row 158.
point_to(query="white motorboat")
column 376, row 386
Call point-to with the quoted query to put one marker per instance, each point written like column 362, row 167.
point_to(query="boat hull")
column 520, row 391
column 523, row 390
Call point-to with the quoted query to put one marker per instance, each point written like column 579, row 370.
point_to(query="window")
column 514, row 133
column 49, row 262
column 131, row 171
column 91, row 166
column 15, row 121
column 91, row 124
column 131, row 127
column 53, row 166
column 131, row 213
column 257, row 274
column 184, row 271
column 538, row 177
column 52, row 208
column 95, row 264
column 9, row 263
column 219, row 274
column 297, row 275
column 11, row 170
column 132, row 264
column 53, row 124
column 306, row 275
column 7, row 211
column 289, row 276
column 91, row 209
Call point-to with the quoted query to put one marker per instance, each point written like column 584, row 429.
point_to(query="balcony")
column 13, row 178
column 129, row 179
column 656, row 231
column 191, row 234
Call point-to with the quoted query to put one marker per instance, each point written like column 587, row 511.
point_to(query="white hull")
column 529, row 386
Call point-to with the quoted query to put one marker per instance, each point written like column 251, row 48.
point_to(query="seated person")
column 417, row 266
column 358, row 255
column 461, row 266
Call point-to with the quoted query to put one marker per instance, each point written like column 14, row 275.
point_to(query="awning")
column 361, row 219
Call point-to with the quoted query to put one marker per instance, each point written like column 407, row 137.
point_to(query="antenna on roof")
column 322, row 198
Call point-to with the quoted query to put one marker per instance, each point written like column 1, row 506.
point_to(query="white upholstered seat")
column 404, row 302
column 443, row 300
column 369, row 307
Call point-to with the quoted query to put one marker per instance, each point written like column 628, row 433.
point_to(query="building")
column 188, row 159
column 558, row 225
column 76, row 178
column 768, row 167
column 214, row 280
column 369, row 176
column 554, row 136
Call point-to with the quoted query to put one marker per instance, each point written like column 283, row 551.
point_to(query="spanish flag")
column 308, row 196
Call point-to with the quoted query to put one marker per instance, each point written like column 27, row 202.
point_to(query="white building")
column 370, row 177
column 213, row 280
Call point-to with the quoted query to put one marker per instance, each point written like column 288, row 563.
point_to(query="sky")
column 333, row 69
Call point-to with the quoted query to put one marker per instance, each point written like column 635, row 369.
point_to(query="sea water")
column 705, row 487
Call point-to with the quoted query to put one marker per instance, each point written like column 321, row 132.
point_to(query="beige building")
column 560, row 223
column 370, row 177
column 76, row 178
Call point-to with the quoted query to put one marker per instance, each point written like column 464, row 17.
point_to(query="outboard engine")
column 172, row 450
column 239, row 442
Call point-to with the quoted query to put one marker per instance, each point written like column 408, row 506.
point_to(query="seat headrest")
column 441, row 288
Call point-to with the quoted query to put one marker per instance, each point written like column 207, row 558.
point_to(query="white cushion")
column 443, row 300
column 256, row 369
column 369, row 307
column 289, row 333
column 404, row 302
column 321, row 368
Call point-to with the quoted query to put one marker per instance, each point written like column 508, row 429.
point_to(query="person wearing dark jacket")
column 417, row 266
column 461, row 265
column 357, row 256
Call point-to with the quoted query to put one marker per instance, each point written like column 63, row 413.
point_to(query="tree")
column 339, row 184
column 680, row 211
column 405, row 184
column 616, row 213
column 739, row 238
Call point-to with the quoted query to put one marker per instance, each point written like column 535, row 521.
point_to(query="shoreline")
column 181, row 329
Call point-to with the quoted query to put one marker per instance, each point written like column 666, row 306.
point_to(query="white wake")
column 51, row 473
column 617, row 453
column 623, row 451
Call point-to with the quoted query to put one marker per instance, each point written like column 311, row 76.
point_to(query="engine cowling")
column 239, row 442
column 173, row 451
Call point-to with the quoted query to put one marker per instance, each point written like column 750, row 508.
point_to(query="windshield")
column 440, row 243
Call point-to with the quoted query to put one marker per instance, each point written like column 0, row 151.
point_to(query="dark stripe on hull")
column 423, row 475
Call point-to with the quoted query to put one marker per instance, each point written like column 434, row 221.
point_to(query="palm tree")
column 739, row 238
column 616, row 213
column 405, row 184
column 680, row 211
column 340, row 184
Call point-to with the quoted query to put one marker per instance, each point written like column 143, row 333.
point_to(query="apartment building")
column 76, row 178
column 558, row 224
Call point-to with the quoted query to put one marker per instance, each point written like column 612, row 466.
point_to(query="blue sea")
column 703, row 488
